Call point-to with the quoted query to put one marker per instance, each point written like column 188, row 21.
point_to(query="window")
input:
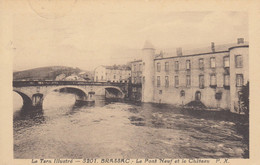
column 218, row 95
column 182, row 93
column 176, row 81
column 212, row 62
column 201, row 81
column 140, row 79
column 158, row 67
column 166, row 66
column 140, row 67
column 198, row 96
column 201, row 63
column 188, row 65
column 226, row 80
column 101, row 77
column 176, row 65
column 188, row 81
column 135, row 80
column 226, row 61
column 114, row 76
column 166, row 81
column 239, row 80
column 134, row 67
column 239, row 61
column 213, row 80
column 158, row 81
column 160, row 91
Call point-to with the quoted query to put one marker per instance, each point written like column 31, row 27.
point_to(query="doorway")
column 198, row 96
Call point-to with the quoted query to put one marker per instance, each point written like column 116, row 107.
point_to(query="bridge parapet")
column 55, row 83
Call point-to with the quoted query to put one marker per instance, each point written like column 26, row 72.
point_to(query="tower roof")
column 148, row 45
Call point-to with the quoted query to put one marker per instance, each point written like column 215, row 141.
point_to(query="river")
column 123, row 130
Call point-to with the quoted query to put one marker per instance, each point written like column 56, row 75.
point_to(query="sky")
column 87, row 36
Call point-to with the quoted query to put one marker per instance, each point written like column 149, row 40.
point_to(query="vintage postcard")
column 129, row 82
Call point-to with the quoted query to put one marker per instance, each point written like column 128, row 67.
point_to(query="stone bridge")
column 34, row 92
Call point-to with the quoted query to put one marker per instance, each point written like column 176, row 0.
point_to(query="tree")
column 244, row 98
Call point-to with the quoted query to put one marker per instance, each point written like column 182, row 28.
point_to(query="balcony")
column 227, row 87
column 213, row 86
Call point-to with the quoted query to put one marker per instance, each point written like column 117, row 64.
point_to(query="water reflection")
column 113, row 129
column 28, row 117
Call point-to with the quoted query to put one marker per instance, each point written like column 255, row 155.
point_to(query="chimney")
column 240, row 40
column 179, row 51
column 213, row 46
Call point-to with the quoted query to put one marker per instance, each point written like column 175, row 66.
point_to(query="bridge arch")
column 116, row 90
column 81, row 93
column 27, row 101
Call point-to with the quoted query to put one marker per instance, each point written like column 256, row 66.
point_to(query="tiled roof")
column 118, row 67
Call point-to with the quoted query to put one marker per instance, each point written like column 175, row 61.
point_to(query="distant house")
column 73, row 77
column 87, row 76
column 116, row 73
column 60, row 77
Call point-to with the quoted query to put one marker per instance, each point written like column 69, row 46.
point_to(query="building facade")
column 213, row 76
column 136, row 80
column 114, row 73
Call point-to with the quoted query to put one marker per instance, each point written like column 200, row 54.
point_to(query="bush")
column 244, row 98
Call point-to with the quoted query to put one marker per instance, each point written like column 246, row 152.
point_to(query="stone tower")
column 148, row 55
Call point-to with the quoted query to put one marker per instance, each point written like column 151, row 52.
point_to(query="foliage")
column 45, row 73
column 244, row 98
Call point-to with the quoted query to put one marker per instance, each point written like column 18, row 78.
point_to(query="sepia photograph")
column 106, row 84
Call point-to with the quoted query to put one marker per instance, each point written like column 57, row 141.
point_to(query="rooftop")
column 118, row 67
column 172, row 53
column 203, row 50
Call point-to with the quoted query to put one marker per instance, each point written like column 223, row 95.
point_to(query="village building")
column 213, row 76
column 73, row 77
column 116, row 73
column 60, row 77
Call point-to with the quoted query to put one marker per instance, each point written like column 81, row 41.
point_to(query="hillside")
column 51, row 73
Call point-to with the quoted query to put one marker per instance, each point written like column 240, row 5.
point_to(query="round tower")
column 239, row 73
column 148, row 55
